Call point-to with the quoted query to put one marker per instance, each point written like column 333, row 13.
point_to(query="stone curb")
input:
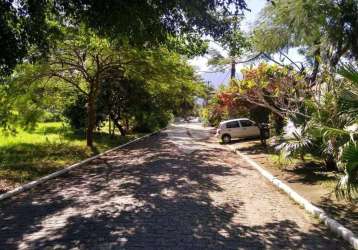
column 32, row 184
column 332, row 224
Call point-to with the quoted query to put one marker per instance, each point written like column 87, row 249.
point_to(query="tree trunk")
column 313, row 76
column 113, row 130
column 279, row 123
column 91, row 119
column 121, row 129
column 331, row 164
column 233, row 69
column 127, row 123
column 116, row 123
column 110, row 128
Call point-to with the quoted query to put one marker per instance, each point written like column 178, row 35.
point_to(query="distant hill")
column 218, row 78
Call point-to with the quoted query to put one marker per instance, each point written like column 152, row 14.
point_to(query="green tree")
column 343, row 138
column 325, row 30
column 82, row 60
column 22, row 26
column 272, row 87
column 90, row 64
column 32, row 24
column 25, row 100
column 236, row 43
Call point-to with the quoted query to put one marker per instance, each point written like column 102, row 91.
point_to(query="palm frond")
column 348, row 185
column 349, row 72
column 328, row 133
column 296, row 142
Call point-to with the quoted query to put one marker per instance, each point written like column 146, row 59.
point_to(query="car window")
column 234, row 124
column 246, row 123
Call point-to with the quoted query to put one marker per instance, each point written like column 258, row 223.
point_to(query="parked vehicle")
column 240, row 128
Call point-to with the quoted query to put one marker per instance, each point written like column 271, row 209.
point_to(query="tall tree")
column 325, row 30
column 82, row 60
column 90, row 64
column 235, row 43
column 26, row 24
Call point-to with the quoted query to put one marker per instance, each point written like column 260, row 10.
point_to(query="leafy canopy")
column 28, row 27
column 323, row 28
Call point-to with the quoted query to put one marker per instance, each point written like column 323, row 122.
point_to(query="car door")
column 233, row 128
column 249, row 128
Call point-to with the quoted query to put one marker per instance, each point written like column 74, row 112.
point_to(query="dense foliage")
column 28, row 27
column 312, row 104
column 97, row 81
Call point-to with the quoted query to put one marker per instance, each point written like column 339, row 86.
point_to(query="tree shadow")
column 125, row 200
column 257, row 148
column 100, row 137
column 344, row 212
column 310, row 173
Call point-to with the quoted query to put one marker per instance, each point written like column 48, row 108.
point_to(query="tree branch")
column 73, row 83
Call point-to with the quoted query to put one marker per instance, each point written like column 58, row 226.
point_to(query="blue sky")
column 218, row 78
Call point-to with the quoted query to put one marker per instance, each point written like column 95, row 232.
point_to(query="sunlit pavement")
column 189, row 137
column 176, row 190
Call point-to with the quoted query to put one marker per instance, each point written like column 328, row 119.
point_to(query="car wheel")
column 226, row 138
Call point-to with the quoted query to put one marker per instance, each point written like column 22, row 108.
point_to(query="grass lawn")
column 312, row 170
column 29, row 155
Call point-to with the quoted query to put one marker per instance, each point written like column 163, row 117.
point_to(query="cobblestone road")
column 175, row 190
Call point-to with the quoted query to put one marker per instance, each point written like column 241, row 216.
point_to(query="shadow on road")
column 125, row 200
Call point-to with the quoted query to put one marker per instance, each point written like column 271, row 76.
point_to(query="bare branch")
column 70, row 81
column 251, row 59
column 298, row 67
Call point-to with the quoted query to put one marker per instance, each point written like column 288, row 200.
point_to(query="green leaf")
column 348, row 185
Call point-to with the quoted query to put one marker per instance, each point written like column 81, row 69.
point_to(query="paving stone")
column 156, row 195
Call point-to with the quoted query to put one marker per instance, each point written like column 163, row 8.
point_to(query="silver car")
column 237, row 128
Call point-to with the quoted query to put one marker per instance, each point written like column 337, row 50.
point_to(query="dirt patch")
column 6, row 186
column 310, row 180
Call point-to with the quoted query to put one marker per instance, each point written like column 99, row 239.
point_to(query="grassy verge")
column 307, row 172
column 29, row 155
column 310, row 171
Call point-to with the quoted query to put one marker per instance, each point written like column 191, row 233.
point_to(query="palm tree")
column 336, row 133
column 297, row 142
column 348, row 185
column 348, row 152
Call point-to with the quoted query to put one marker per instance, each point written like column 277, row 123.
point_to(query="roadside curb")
column 41, row 180
column 332, row 224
